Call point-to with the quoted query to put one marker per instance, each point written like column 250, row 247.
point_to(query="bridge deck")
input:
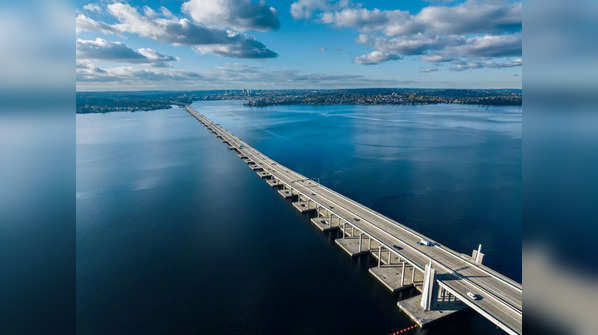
column 501, row 300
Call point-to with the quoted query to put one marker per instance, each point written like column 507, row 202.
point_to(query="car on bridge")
column 474, row 296
column 425, row 242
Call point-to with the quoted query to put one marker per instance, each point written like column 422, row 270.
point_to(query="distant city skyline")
column 269, row 44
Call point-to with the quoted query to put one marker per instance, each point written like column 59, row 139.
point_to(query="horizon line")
column 299, row 89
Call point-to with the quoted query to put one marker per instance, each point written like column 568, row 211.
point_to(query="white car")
column 474, row 296
column 425, row 242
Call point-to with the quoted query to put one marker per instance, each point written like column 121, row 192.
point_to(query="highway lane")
column 502, row 297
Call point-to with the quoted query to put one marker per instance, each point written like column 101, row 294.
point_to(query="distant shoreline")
column 105, row 102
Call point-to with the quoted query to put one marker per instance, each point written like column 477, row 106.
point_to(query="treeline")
column 103, row 102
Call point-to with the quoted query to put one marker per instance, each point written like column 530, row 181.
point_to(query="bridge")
column 445, row 280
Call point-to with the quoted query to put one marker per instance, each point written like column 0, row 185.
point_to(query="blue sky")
column 229, row 44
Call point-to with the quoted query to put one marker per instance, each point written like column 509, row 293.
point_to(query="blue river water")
column 176, row 235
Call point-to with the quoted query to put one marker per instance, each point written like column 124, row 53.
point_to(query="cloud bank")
column 241, row 15
column 163, row 26
column 303, row 9
column 474, row 32
column 102, row 50
column 473, row 16
column 127, row 75
column 85, row 24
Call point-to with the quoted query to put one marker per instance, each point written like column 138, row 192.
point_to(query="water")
column 176, row 235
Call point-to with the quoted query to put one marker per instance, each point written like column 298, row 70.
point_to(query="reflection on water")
column 176, row 235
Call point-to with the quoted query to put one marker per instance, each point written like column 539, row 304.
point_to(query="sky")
column 280, row 44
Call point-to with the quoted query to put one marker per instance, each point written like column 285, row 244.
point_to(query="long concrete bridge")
column 447, row 281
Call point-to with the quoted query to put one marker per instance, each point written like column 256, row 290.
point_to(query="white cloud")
column 303, row 9
column 417, row 44
column 92, row 7
column 155, row 57
column 444, row 48
column 167, row 28
column 462, row 66
column 100, row 49
column 127, row 75
column 243, row 47
column 242, row 15
column 474, row 32
column 376, row 57
column 163, row 26
column 87, row 24
column 441, row 49
column 473, row 16
column 365, row 20
column 489, row 46
column 437, row 58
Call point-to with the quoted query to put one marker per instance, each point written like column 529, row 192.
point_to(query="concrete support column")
column 360, row 241
column 413, row 275
column 370, row 243
column 379, row 255
column 477, row 255
column 428, row 289
column 403, row 273
column 389, row 257
column 344, row 229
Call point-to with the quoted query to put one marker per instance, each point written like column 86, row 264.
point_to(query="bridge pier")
column 286, row 193
column 432, row 304
column 393, row 272
column 322, row 221
column 264, row 174
column 350, row 244
column 255, row 167
column 274, row 183
column 395, row 277
column 304, row 205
